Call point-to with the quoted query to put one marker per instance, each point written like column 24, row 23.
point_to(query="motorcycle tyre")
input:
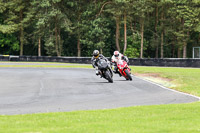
column 108, row 76
column 128, row 75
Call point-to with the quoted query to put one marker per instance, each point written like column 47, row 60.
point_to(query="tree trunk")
column 79, row 34
column 79, row 46
column 185, row 40
column 59, row 43
column 162, row 43
column 185, row 47
column 157, row 50
column 162, row 34
column 179, row 52
column 199, row 39
column 142, row 37
column 156, row 23
column 173, row 50
column 117, row 33
column 56, row 36
column 135, row 26
column 21, row 34
column 39, row 46
column 125, row 37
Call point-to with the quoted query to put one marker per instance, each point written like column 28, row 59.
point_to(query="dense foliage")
column 137, row 28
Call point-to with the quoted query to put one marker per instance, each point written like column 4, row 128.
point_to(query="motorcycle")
column 105, row 70
column 124, row 69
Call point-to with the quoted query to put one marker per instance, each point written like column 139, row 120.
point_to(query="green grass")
column 185, row 79
column 49, row 66
column 172, row 118
column 45, row 65
column 176, row 118
column 24, row 62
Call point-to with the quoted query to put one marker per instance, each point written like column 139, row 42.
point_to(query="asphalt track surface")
column 40, row 90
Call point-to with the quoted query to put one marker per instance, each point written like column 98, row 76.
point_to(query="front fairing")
column 121, row 64
column 102, row 64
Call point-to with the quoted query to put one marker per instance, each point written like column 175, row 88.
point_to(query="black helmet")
column 96, row 53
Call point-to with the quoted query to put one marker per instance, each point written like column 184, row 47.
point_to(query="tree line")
column 136, row 28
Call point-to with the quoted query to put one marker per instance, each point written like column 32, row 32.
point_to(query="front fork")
column 126, row 68
column 110, row 69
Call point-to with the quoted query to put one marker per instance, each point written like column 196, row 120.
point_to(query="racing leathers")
column 115, row 60
column 94, row 61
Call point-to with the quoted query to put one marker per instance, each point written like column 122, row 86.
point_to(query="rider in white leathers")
column 118, row 56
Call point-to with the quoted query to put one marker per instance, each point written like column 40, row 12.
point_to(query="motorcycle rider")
column 96, row 57
column 118, row 56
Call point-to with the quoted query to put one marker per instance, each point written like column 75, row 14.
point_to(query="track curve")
column 39, row 90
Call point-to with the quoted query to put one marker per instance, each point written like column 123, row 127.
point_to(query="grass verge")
column 184, row 79
column 49, row 66
column 43, row 65
column 175, row 118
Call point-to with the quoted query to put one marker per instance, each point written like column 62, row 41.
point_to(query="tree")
column 9, row 45
column 164, row 28
column 52, row 18
column 142, row 8
column 113, row 8
column 8, row 42
column 16, row 20
column 186, row 17
column 81, row 11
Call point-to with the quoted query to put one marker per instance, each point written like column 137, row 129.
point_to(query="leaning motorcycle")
column 124, row 69
column 105, row 70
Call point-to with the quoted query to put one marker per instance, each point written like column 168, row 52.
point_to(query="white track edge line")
column 168, row 88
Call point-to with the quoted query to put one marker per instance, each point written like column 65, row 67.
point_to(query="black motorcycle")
column 105, row 70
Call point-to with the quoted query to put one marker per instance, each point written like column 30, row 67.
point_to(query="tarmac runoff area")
column 40, row 90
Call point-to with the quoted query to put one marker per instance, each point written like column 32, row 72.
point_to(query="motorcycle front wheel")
column 108, row 76
column 128, row 75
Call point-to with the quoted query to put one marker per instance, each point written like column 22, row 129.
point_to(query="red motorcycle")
column 124, row 69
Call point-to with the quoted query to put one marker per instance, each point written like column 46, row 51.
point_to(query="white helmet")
column 116, row 54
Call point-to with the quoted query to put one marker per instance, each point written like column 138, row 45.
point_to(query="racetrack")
column 39, row 90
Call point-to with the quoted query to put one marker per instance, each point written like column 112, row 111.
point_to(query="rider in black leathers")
column 96, row 57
